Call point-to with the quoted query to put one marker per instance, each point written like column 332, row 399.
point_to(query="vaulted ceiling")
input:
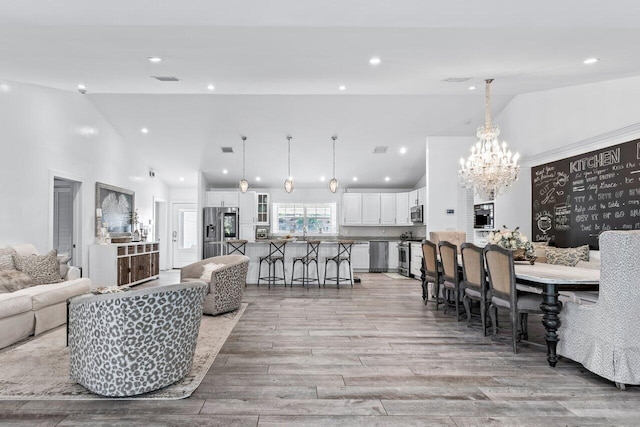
column 277, row 66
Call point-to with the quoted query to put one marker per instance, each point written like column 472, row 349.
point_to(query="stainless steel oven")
column 404, row 257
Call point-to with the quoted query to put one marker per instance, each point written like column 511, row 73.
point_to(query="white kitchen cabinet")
column 388, row 208
column 219, row 199
column 262, row 209
column 352, row 209
column 360, row 256
column 416, row 261
column 422, row 196
column 402, row 209
column 247, row 204
column 413, row 198
column 370, row 208
column 393, row 256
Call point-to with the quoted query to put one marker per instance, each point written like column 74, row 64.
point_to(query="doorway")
column 185, row 234
column 66, row 218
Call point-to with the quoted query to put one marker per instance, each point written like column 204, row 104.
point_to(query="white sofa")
column 34, row 310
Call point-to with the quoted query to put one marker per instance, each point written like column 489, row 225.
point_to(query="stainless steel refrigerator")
column 220, row 225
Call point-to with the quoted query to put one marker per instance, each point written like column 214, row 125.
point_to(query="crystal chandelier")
column 244, row 184
column 288, row 183
column 333, row 184
column 491, row 168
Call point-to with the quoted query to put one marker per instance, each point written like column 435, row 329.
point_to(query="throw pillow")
column 44, row 269
column 540, row 248
column 14, row 280
column 567, row 256
column 208, row 269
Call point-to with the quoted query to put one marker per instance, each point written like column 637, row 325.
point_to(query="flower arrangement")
column 512, row 239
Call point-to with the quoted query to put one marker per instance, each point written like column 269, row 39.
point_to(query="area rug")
column 38, row 369
column 395, row 276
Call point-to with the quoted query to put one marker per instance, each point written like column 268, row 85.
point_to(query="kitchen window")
column 292, row 218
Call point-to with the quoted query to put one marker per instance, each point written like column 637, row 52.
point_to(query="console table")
column 123, row 264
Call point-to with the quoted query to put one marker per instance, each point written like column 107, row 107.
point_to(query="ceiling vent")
column 166, row 78
column 380, row 149
column 457, row 79
column 227, row 149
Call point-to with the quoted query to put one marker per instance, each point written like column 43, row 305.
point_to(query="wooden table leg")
column 551, row 307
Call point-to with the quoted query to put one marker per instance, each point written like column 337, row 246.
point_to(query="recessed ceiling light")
column 182, row 178
column 342, row 87
column 387, row 179
column 472, row 88
column 210, row 86
column 591, row 60
column 403, row 150
column 374, row 61
column 144, row 130
column 355, row 178
column 257, row 178
column 224, row 171
column 154, row 59
column 322, row 178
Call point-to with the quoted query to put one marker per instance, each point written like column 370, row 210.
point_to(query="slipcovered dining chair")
column 604, row 337
column 432, row 272
column 474, row 281
column 451, row 275
column 502, row 285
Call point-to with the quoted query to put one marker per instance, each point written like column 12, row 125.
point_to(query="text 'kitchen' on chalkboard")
column 576, row 199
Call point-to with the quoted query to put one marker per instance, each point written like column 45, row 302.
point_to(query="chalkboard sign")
column 576, row 199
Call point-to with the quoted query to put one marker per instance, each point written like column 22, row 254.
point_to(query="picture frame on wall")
column 114, row 210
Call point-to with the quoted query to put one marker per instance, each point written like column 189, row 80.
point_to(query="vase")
column 520, row 255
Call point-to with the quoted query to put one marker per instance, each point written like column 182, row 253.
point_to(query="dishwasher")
column 378, row 256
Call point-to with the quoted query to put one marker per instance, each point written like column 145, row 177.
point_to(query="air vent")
column 380, row 150
column 166, row 78
column 457, row 79
column 227, row 149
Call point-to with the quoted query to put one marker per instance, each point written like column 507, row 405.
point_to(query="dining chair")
column 451, row 275
column 432, row 272
column 502, row 285
column 310, row 257
column 343, row 256
column 474, row 281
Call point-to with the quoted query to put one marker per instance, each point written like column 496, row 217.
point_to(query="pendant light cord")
column 487, row 104
column 334, row 155
column 289, row 157
column 244, row 141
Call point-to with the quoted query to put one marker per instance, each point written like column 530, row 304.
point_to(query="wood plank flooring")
column 371, row 355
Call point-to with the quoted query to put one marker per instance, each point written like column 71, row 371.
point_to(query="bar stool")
column 276, row 253
column 344, row 255
column 236, row 246
column 311, row 256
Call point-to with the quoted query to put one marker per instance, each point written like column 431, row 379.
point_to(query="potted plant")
column 515, row 241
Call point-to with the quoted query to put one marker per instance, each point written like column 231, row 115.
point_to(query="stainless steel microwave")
column 416, row 214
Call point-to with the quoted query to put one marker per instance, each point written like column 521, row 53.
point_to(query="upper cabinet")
column 402, row 209
column 418, row 197
column 387, row 208
column 370, row 208
column 247, row 204
column 351, row 209
column 220, row 199
column 262, row 209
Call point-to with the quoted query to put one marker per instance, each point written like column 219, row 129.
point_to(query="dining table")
column 550, row 279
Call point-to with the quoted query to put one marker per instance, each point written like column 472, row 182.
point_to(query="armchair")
column 604, row 337
column 226, row 283
column 134, row 342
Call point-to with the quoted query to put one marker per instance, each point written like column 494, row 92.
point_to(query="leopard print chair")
column 227, row 281
column 134, row 342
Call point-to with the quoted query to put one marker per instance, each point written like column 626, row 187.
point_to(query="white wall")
column 45, row 132
column 550, row 125
column 443, row 185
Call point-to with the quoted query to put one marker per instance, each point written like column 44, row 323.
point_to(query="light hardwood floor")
column 371, row 355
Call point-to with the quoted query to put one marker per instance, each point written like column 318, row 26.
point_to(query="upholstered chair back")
column 473, row 265
column 501, row 273
column 455, row 237
column 430, row 255
column 449, row 258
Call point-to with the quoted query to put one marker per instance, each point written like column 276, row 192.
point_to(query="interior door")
column 184, row 234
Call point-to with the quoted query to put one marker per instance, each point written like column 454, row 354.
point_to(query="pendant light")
column 288, row 183
column 244, row 184
column 333, row 184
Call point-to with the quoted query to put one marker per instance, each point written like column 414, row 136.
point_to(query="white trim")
column 77, row 211
column 618, row 136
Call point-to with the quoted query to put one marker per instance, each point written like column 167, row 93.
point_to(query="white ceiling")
column 277, row 66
